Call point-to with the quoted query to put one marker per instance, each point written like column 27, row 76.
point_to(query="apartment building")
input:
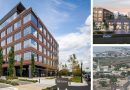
column 100, row 15
column 24, row 30
column 119, row 24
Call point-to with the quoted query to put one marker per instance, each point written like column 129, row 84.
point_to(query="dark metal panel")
column 18, row 8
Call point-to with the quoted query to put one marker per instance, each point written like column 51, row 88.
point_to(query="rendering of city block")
column 111, row 22
column 45, row 45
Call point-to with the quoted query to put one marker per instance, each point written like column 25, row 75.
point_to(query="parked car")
column 107, row 35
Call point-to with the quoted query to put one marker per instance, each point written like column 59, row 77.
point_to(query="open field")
column 112, row 60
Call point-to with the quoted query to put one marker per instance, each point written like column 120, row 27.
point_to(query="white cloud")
column 78, row 43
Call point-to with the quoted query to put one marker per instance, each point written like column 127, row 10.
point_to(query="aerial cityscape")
column 111, row 68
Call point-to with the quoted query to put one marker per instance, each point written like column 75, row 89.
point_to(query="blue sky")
column 67, row 20
column 60, row 16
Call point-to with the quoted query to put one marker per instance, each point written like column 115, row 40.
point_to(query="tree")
column 124, row 74
column 113, row 79
column 103, row 83
column 74, row 65
column 1, row 61
column 32, row 65
column 94, row 25
column 77, row 71
column 64, row 71
column 21, row 67
column 106, row 24
column 114, row 25
column 11, row 67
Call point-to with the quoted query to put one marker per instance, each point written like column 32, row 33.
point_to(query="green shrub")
column 14, row 83
column 34, row 81
column 103, row 83
column 10, row 78
column 9, row 82
column 75, row 79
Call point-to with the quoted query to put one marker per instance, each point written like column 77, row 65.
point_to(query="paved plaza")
column 44, row 83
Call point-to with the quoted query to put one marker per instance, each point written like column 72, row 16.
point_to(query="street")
column 79, row 88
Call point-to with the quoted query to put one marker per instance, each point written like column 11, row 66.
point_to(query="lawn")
column 75, row 79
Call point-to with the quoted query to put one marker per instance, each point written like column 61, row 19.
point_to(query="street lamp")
column 81, row 73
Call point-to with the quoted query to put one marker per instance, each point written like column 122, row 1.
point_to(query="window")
column 27, row 55
column 99, row 11
column 40, row 27
column 3, row 43
column 17, row 24
column 45, row 62
column 45, row 51
column 50, row 54
column 27, row 43
column 30, row 30
column 4, row 51
column 34, row 19
column 34, row 32
column 27, row 30
column 40, row 48
column 30, row 17
column 44, row 41
column 3, row 34
column 9, row 39
column 40, row 37
column 35, row 56
column 51, row 40
column 34, row 44
column 17, row 36
column 8, row 20
column 17, row 46
column 48, row 36
column 45, row 32
column 8, row 49
column 27, row 18
column 18, row 57
column 9, row 30
column 30, row 43
column 40, row 58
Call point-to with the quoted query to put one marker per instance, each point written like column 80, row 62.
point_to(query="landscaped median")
column 75, row 79
column 28, row 80
column 14, row 83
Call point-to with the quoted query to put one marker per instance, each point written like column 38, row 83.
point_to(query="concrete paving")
column 44, row 83
column 9, row 88
column 2, row 85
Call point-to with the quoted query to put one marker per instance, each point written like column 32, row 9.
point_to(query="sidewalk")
column 44, row 83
